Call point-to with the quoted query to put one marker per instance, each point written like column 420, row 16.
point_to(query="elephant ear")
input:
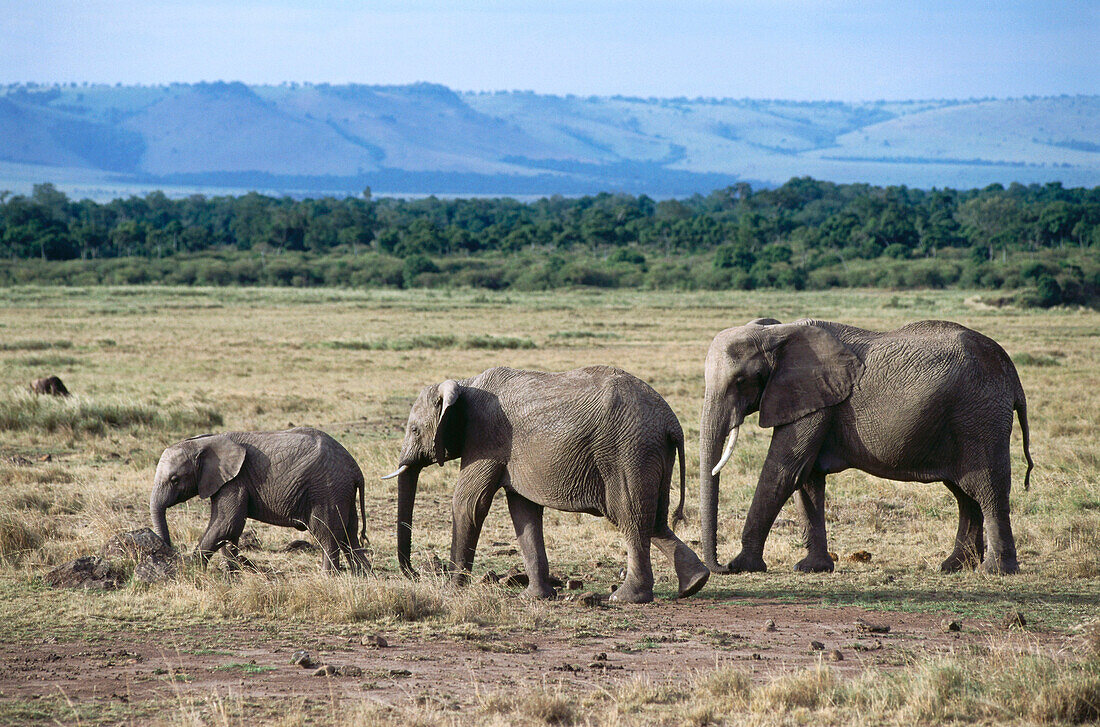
column 449, row 430
column 220, row 460
column 810, row 370
column 763, row 322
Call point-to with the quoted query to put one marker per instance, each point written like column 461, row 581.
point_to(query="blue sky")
column 800, row 49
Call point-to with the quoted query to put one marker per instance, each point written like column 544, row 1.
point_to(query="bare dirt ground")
column 668, row 640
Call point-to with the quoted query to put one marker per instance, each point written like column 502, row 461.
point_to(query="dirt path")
column 664, row 640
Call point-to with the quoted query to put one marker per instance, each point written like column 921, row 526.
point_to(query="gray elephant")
column 300, row 478
column 929, row 402
column 594, row 440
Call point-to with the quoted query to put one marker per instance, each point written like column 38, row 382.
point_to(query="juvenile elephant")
column 49, row 386
column 929, row 402
column 300, row 478
column 594, row 440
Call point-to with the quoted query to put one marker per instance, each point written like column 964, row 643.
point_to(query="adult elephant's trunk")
column 712, row 431
column 406, row 497
column 160, row 500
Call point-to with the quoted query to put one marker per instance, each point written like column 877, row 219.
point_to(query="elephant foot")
column 542, row 592
column 690, row 584
column 629, row 593
column 1000, row 566
column 959, row 561
column 744, row 563
column 815, row 564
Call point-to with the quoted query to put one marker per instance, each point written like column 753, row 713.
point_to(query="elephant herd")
column 932, row 401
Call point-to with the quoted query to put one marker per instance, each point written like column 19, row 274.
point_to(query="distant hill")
column 425, row 139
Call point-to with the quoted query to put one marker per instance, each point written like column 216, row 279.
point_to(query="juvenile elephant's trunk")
column 159, row 501
column 712, row 431
column 406, row 496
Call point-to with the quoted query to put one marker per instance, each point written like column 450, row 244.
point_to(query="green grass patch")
column 244, row 668
column 24, row 412
column 584, row 335
column 34, row 345
column 48, row 361
column 430, row 341
column 1030, row 359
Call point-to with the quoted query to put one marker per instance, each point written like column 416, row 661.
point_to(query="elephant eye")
column 414, row 429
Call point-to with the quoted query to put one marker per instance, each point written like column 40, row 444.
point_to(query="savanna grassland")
column 151, row 365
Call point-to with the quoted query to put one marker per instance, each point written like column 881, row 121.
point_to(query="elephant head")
column 198, row 466
column 784, row 371
column 433, row 434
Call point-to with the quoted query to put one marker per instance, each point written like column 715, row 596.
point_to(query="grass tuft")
column 22, row 411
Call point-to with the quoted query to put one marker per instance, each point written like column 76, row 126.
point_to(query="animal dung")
column 869, row 628
column 860, row 556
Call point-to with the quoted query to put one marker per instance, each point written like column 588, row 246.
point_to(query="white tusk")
column 396, row 472
column 727, row 452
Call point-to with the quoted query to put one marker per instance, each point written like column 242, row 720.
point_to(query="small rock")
column 349, row 671
column 756, row 657
column 137, row 544
column 602, row 656
column 770, row 626
column 835, row 655
column 574, row 584
column 1014, row 620
column 817, row 646
column 869, row 628
column 860, row 556
column 156, row 568
column 86, row 572
column 325, row 671
column 302, row 659
column 295, row 546
column 375, row 640
column 949, row 626
column 591, row 599
column 249, row 541
column 515, row 578
column 400, row 673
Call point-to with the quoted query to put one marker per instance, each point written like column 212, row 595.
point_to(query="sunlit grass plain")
column 165, row 363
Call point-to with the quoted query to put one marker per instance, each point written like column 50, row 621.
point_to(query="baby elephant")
column 300, row 478
column 49, row 386
column 594, row 440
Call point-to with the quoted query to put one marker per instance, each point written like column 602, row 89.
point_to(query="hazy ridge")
column 425, row 138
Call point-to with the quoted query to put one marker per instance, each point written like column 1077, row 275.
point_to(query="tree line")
column 803, row 234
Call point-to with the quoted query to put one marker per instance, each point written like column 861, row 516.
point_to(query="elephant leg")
column 527, row 520
column 637, row 587
column 990, row 488
column 811, row 503
column 327, row 527
column 477, row 483
column 691, row 574
column 227, row 518
column 970, row 540
column 793, row 449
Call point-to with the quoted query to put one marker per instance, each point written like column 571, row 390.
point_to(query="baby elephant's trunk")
column 159, row 502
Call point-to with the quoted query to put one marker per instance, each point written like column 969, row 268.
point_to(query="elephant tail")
column 362, row 512
column 1021, row 412
column 678, row 516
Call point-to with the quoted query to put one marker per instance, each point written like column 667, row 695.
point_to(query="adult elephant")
column 300, row 478
column 594, row 440
column 929, row 402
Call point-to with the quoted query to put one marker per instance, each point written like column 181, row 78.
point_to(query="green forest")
column 1038, row 243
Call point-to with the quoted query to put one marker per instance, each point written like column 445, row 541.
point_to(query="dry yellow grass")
column 266, row 359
